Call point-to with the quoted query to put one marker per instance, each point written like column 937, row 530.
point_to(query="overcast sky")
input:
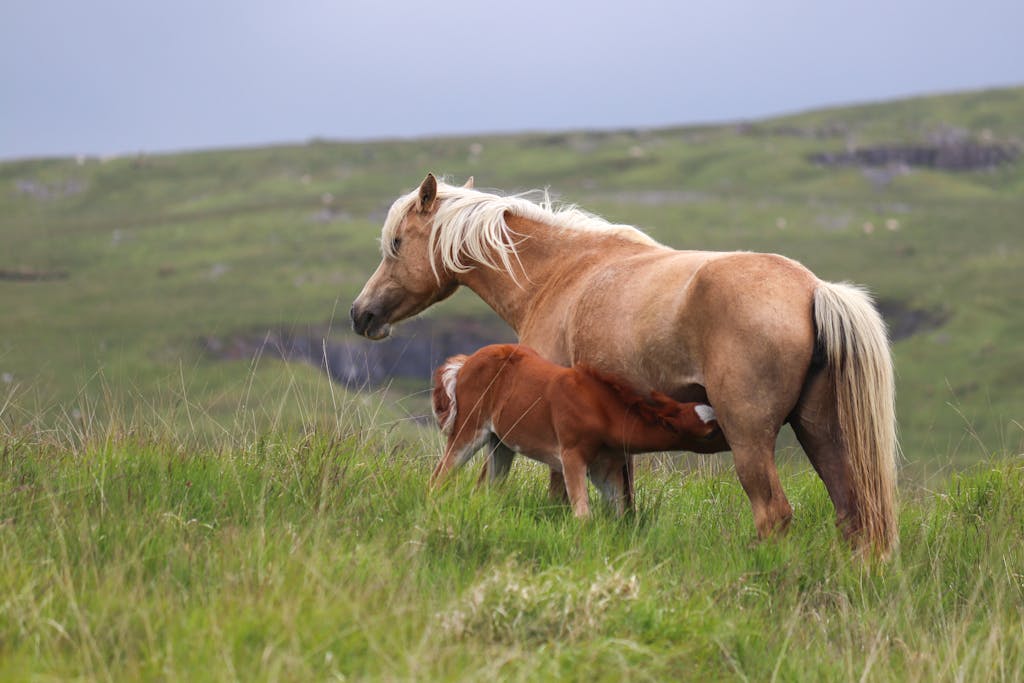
column 111, row 76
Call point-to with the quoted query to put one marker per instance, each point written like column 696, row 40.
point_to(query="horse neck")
column 541, row 264
column 509, row 298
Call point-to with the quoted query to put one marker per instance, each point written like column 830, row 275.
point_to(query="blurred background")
column 191, row 194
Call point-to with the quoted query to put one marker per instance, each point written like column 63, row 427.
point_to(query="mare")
column 578, row 421
column 758, row 336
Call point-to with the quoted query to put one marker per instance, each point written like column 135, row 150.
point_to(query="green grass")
column 160, row 251
column 164, row 515
column 130, row 554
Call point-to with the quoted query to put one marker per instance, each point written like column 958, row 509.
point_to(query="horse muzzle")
column 369, row 323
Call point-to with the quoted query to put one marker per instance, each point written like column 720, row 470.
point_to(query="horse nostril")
column 361, row 321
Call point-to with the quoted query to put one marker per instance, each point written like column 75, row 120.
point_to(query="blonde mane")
column 469, row 227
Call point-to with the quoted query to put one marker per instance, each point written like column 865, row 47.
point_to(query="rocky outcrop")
column 415, row 349
column 958, row 156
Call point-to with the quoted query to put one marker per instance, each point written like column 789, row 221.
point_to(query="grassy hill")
column 177, row 504
column 112, row 270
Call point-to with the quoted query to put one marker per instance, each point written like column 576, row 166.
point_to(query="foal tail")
column 443, row 397
column 853, row 337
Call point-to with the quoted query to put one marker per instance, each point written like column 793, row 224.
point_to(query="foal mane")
column 469, row 226
column 654, row 408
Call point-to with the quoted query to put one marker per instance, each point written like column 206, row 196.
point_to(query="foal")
column 578, row 421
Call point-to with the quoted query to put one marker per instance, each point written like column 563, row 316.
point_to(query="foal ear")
column 469, row 184
column 427, row 194
column 705, row 412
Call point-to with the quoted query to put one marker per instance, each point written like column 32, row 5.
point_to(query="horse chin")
column 380, row 332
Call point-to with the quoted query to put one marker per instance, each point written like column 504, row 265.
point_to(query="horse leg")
column 754, row 389
column 755, row 467
column 816, row 425
column 574, row 468
column 628, row 496
column 610, row 474
column 498, row 463
column 751, row 427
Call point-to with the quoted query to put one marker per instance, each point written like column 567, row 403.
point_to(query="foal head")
column 697, row 419
column 409, row 277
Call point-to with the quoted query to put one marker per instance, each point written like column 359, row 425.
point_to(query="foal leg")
column 498, row 463
column 557, row 488
column 574, row 467
column 460, row 448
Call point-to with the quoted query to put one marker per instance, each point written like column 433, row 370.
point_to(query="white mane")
column 469, row 226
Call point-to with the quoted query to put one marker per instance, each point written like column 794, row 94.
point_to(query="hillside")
column 136, row 286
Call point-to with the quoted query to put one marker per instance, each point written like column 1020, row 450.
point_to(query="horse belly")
column 529, row 431
column 627, row 323
column 551, row 458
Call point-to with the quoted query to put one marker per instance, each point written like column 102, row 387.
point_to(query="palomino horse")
column 757, row 336
column 577, row 421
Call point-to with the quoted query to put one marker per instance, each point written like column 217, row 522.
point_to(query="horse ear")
column 427, row 194
column 469, row 183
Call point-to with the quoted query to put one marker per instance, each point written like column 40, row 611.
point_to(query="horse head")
column 410, row 276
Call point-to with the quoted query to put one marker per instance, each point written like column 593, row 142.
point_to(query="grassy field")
column 165, row 514
column 152, row 253
column 129, row 555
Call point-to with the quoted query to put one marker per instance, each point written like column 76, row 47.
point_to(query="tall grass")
column 316, row 553
column 165, row 516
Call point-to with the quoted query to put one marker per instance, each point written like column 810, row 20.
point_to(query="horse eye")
column 395, row 244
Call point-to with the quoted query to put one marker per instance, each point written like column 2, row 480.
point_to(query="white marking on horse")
column 449, row 376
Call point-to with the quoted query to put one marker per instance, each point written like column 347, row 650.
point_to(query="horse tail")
column 853, row 337
column 443, row 396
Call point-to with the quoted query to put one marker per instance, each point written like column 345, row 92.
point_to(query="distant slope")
column 154, row 253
